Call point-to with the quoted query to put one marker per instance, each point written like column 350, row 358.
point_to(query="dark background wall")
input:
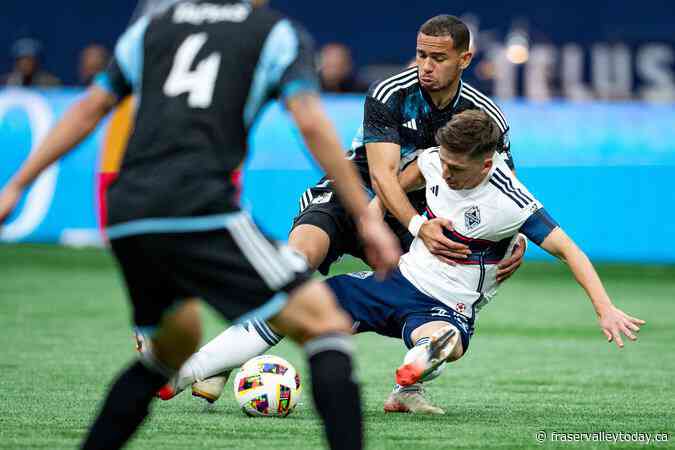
column 377, row 31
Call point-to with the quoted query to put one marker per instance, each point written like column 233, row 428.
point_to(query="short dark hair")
column 472, row 133
column 447, row 25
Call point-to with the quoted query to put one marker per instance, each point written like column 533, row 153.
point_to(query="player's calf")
column 313, row 319
column 126, row 405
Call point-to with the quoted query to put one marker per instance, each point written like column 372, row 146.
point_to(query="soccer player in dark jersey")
column 202, row 71
column 402, row 114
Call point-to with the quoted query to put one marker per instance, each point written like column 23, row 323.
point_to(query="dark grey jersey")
column 202, row 71
column 399, row 111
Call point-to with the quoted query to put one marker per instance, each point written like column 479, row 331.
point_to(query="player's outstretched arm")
column 75, row 125
column 611, row 319
column 321, row 138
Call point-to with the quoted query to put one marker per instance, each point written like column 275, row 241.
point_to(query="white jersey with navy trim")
column 487, row 218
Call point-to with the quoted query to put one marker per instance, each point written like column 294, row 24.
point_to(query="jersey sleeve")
column 538, row 226
column 301, row 73
column 520, row 211
column 285, row 68
column 380, row 119
column 123, row 75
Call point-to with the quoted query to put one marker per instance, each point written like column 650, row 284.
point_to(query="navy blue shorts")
column 393, row 307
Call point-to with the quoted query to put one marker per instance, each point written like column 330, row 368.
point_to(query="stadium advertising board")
column 602, row 169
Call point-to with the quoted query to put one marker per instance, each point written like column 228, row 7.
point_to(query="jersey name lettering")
column 210, row 13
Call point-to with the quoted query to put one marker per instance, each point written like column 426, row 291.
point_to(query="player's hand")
column 9, row 197
column 381, row 247
column 615, row 322
column 431, row 233
column 508, row 267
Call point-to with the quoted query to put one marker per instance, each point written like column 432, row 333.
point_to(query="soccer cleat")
column 410, row 399
column 438, row 350
column 170, row 389
column 212, row 388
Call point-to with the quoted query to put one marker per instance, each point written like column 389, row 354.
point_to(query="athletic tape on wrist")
column 415, row 224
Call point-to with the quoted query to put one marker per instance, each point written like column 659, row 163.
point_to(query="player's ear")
column 487, row 166
column 465, row 59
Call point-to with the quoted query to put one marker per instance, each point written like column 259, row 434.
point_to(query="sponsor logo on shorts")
column 360, row 275
column 439, row 312
column 323, row 198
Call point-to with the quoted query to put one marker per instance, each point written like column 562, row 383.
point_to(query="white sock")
column 227, row 351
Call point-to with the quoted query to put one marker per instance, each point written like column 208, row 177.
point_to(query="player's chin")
column 430, row 86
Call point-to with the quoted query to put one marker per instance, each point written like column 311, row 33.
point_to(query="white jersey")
column 487, row 218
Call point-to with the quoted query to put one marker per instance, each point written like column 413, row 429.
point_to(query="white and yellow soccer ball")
column 267, row 386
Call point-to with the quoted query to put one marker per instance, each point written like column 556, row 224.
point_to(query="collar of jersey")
column 449, row 106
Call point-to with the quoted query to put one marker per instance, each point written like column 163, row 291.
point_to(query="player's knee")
column 334, row 321
column 312, row 242
column 312, row 311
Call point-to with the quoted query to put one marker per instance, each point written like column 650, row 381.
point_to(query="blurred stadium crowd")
column 335, row 63
column 532, row 55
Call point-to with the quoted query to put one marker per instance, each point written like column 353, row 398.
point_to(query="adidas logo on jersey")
column 412, row 124
column 434, row 189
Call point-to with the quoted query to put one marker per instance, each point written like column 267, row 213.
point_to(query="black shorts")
column 237, row 270
column 320, row 206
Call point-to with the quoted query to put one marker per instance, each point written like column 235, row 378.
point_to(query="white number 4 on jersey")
column 199, row 82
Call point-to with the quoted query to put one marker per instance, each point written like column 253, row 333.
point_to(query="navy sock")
column 336, row 395
column 125, row 407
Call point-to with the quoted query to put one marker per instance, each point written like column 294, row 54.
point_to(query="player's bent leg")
column 310, row 241
column 208, row 369
column 436, row 343
column 311, row 311
column 312, row 318
column 215, row 361
column 422, row 360
column 428, row 330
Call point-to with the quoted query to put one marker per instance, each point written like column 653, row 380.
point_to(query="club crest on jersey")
column 461, row 307
column 472, row 218
column 323, row 198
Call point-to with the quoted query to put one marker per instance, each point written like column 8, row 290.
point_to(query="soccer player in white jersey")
column 430, row 304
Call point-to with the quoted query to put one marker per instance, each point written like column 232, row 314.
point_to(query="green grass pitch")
column 537, row 362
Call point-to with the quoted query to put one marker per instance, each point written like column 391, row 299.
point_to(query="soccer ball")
column 267, row 386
